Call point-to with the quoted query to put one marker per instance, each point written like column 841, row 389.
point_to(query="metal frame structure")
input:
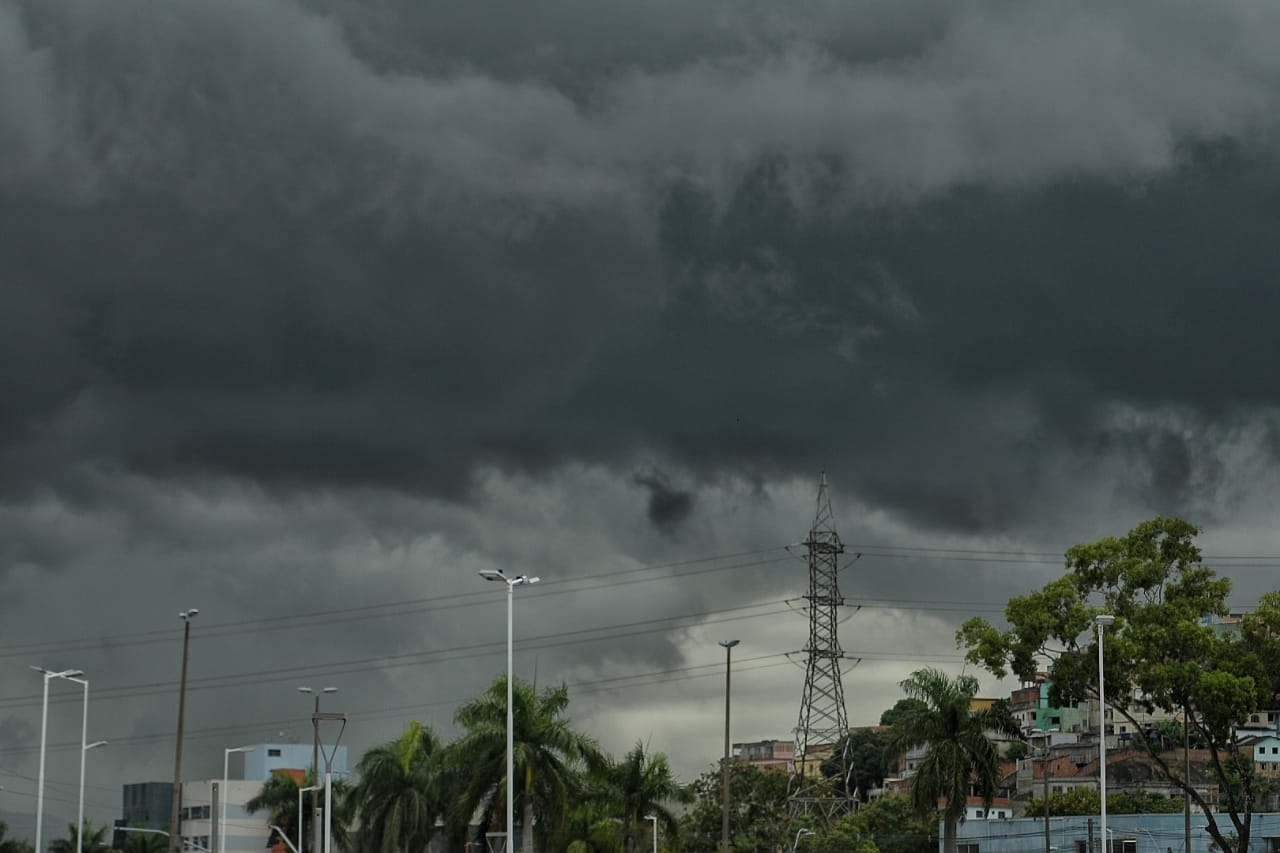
column 823, row 720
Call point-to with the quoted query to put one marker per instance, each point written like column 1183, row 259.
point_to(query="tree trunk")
column 949, row 836
column 526, row 826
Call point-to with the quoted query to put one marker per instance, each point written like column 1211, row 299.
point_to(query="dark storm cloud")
column 337, row 244
column 668, row 506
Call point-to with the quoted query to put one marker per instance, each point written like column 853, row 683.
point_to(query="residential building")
column 771, row 754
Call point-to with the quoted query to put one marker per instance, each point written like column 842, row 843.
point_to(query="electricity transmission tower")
column 823, row 721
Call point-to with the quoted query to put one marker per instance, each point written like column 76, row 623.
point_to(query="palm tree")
column 959, row 757
column 398, row 796
column 641, row 784
column 145, row 842
column 590, row 827
column 279, row 798
column 547, row 755
column 92, row 841
column 12, row 845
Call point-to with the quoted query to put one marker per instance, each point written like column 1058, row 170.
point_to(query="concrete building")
column 199, row 816
column 771, row 754
column 147, row 804
column 265, row 758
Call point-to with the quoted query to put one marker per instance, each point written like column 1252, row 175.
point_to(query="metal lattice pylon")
column 823, row 721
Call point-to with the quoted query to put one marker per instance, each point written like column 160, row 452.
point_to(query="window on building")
column 274, row 753
column 185, row 814
column 1275, row 750
column 1273, row 843
column 1082, row 846
column 977, row 813
column 970, row 847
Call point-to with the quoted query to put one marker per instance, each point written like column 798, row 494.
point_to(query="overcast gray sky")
column 310, row 309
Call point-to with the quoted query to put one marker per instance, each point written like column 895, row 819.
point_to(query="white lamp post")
column 1102, row 620
column 44, row 726
column 497, row 575
column 222, row 806
column 83, row 749
column 800, row 833
column 654, row 819
column 302, row 791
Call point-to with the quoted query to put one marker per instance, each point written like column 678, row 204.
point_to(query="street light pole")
column 1102, row 620
column 80, row 827
column 302, row 791
column 328, row 776
column 222, row 811
column 654, row 819
column 175, row 828
column 315, row 757
column 800, row 833
column 1048, row 844
column 497, row 575
column 724, row 768
column 44, row 727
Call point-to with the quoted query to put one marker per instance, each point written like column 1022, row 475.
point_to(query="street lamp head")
column 1104, row 619
column 231, row 749
column 95, row 745
column 493, row 575
column 188, row 615
column 524, row 579
column 66, row 673
column 728, row 644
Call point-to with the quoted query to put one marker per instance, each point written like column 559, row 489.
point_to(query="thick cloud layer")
column 311, row 309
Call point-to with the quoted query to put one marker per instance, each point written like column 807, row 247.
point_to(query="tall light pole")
column 44, row 727
column 497, row 575
column 1044, row 735
column 222, row 806
column 80, row 825
column 315, row 752
column 175, row 828
column 302, row 791
column 800, row 833
column 328, row 775
column 653, row 818
column 1102, row 620
column 724, row 767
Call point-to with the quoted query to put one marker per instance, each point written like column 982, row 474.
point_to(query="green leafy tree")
column 1160, row 652
column 1084, row 801
column 893, row 824
column 12, row 845
column 549, row 756
column 863, row 768
column 1073, row 801
column 92, row 840
column 843, row 836
column 758, row 813
column 901, row 707
column 397, row 796
column 958, row 755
